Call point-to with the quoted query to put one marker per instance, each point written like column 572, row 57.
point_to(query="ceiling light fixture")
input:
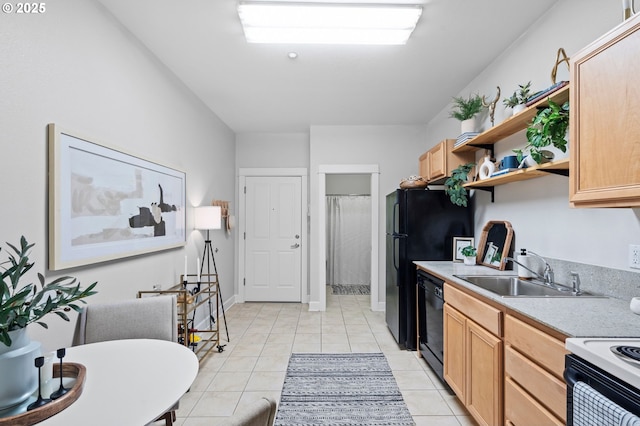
column 327, row 23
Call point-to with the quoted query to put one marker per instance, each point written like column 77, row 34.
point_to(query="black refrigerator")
column 420, row 225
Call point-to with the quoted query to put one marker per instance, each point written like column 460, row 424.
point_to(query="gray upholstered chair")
column 260, row 413
column 145, row 318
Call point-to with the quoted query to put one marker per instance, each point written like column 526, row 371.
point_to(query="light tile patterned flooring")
column 263, row 335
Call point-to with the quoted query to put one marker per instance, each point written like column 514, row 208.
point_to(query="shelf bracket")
column 487, row 189
column 561, row 172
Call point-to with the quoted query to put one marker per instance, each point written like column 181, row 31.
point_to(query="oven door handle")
column 572, row 376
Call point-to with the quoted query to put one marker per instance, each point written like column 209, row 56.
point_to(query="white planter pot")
column 518, row 109
column 469, row 260
column 17, row 370
column 468, row 125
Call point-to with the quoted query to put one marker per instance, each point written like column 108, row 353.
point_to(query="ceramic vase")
column 19, row 376
column 470, row 260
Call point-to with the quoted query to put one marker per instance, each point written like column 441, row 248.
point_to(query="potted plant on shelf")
column 21, row 305
column 469, row 253
column 548, row 127
column 465, row 110
column 519, row 98
column 453, row 186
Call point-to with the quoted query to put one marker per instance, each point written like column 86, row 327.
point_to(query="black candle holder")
column 39, row 362
column 60, row 353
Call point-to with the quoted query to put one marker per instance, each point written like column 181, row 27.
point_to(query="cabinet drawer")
column 483, row 314
column 547, row 351
column 547, row 389
column 522, row 410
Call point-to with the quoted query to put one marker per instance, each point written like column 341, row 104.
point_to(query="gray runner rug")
column 341, row 389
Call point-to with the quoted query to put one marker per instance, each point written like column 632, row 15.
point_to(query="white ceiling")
column 257, row 88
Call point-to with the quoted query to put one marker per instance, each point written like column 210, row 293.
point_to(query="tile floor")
column 263, row 335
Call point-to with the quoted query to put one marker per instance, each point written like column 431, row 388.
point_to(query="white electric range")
column 598, row 351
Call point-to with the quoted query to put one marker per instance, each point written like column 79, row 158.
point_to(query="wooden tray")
column 69, row 369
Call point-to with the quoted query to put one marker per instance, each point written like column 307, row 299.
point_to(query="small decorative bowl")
column 413, row 182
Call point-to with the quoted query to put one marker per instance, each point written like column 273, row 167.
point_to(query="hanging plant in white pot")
column 21, row 305
column 547, row 129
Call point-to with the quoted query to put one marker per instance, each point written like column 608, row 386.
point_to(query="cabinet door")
column 438, row 161
column 484, row 375
column 454, row 350
column 605, row 120
column 424, row 165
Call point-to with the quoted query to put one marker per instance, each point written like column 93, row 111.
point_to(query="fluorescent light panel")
column 328, row 23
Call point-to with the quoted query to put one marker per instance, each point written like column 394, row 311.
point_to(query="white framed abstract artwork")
column 105, row 204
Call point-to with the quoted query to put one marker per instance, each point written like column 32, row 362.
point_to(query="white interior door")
column 273, row 243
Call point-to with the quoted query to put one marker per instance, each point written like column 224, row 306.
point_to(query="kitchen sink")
column 512, row 286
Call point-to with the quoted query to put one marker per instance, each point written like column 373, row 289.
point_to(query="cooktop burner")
column 627, row 353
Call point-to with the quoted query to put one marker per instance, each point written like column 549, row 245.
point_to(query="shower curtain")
column 348, row 239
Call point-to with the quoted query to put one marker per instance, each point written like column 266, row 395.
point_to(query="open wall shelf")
column 560, row 167
column 512, row 124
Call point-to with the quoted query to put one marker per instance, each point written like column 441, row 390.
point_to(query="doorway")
column 372, row 170
column 348, row 228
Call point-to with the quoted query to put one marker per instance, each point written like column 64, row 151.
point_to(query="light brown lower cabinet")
column 506, row 370
column 473, row 365
column 535, row 392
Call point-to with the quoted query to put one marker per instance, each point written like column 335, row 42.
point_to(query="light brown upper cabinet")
column 437, row 163
column 605, row 120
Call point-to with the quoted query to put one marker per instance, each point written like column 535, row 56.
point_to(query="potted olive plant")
column 519, row 98
column 469, row 253
column 465, row 110
column 548, row 127
column 453, row 186
column 24, row 304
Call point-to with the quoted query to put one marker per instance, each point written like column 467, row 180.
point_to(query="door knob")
column 296, row 245
column 297, row 236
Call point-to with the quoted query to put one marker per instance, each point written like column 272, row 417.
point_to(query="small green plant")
column 453, row 185
column 469, row 251
column 548, row 127
column 23, row 305
column 519, row 97
column 464, row 109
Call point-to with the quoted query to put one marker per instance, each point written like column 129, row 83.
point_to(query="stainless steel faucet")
column 548, row 272
column 547, row 276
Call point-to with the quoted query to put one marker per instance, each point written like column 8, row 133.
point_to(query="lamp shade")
column 208, row 217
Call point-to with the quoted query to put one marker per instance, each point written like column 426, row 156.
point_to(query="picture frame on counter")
column 458, row 244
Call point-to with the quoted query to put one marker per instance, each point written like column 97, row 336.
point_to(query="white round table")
column 128, row 382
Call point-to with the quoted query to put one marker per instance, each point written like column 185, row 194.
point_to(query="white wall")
column 394, row 148
column 538, row 209
column 275, row 150
column 77, row 67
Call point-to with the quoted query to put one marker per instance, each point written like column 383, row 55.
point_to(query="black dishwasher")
column 430, row 320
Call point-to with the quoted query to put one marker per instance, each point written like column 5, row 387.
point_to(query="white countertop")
column 572, row 316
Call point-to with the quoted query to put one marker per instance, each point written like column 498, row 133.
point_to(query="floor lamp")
column 208, row 218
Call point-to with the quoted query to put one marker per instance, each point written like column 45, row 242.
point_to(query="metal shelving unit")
column 191, row 296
